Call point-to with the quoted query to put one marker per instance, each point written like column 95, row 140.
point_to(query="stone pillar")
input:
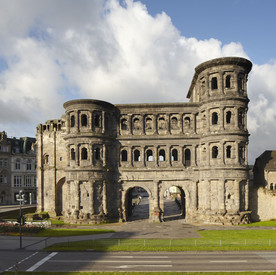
column 155, row 212
column 77, row 200
column 91, row 193
column 104, row 198
column 221, row 199
column 237, row 196
column 103, row 122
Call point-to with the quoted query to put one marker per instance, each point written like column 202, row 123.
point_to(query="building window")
column 17, row 164
column 73, row 154
column 83, row 153
column 174, row 123
column 136, row 124
column 3, row 179
column 97, row 154
column 72, row 121
column 187, row 122
column 228, row 152
column 137, row 155
column 161, row 123
column 28, row 182
column 149, row 123
column 187, row 156
column 161, row 155
column 241, row 118
column 124, row 155
column 123, row 124
column 46, row 159
column 214, row 118
column 149, row 155
column 214, row 83
column 17, row 180
column 228, row 81
column 241, row 154
column 215, row 152
column 84, row 120
column 97, row 120
column 228, row 117
column 174, row 155
column 29, row 165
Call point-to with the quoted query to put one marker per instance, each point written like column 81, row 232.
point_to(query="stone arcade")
column 89, row 160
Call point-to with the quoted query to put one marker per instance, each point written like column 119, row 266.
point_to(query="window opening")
column 187, row 122
column 136, row 155
column 149, row 123
column 83, row 120
column 149, row 155
column 29, row 165
column 215, row 152
column 72, row 121
column 174, row 123
column 214, row 118
column 124, row 124
column 97, row 120
column 161, row 124
column 124, row 155
column 97, row 154
column 17, row 164
column 162, row 155
column 73, row 154
column 174, row 155
column 187, row 156
column 228, row 152
column 136, row 124
column 228, row 117
column 214, row 83
column 83, row 153
column 228, row 81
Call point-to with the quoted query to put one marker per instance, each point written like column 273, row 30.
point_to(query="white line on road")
column 41, row 262
column 17, row 263
column 229, row 261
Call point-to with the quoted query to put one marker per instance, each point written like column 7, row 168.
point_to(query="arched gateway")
column 197, row 150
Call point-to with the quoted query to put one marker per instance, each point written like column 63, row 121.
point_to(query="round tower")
column 91, row 130
column 219, row 86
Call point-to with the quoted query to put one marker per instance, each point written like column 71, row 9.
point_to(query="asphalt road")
column 137, row 261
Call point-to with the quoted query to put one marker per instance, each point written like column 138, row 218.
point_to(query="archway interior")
column 174, row 203
column 137, row 204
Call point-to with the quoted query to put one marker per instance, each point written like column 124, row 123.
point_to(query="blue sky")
column 130, row 52
column 249, row 22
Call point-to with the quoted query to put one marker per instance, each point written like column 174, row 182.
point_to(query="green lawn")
column 264, row 223
column 211, row 240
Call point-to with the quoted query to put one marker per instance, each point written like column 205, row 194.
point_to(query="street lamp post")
column 20, row 198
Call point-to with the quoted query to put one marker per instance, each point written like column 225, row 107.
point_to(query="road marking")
column 17, row 263
column 229, row 261
column 41, row 262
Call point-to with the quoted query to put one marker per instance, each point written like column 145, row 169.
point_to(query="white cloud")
column 59, row 50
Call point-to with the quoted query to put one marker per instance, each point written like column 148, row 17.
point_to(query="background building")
column 17, row 168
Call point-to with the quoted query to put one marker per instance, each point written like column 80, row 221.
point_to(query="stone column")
column 237, row 195
column 103, row 122
column 221, row 199
column 104, row 198
column 91, row 194
column 155, row 212
column 246, row 196
column 77, row 199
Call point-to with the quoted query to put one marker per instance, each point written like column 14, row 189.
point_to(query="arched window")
column 187, row 122
column 161, row 155
column 187, row 156
column 228, row 81
column 228, row 151
column 72, row 121
column 214, row 83
column 228, row 117
column 136, row 124
column 241, row 154
column 149, row 155
column 83, row 153
column 214, row 118
column 174, row 155
column 83, row 120
column 174, row 123
column 97, row 120
column 271, row 186
column 124, row 155
column 149, row 123
column 137, row 155
column 73, row 154
column 123, row 124
column 241, row 119
column 97, row 154
column 161, row 123
column 215, row 152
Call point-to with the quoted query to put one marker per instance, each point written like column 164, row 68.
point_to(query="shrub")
column 14, row 228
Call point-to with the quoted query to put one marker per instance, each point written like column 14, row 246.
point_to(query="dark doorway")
column 174, row 204
column 137, row 204
column 59, row 197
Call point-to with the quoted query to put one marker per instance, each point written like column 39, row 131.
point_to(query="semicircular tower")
column 219, row 86
column 91, row 174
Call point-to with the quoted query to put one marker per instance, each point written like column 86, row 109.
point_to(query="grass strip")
column 211, row 240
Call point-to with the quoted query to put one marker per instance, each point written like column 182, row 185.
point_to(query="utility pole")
column 21, row 218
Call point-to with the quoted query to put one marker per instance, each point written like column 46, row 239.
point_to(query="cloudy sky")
column 128, row 52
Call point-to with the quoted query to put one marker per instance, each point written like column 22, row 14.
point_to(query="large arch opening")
column 174, row 204
column 137, row 204
column 60, row 200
